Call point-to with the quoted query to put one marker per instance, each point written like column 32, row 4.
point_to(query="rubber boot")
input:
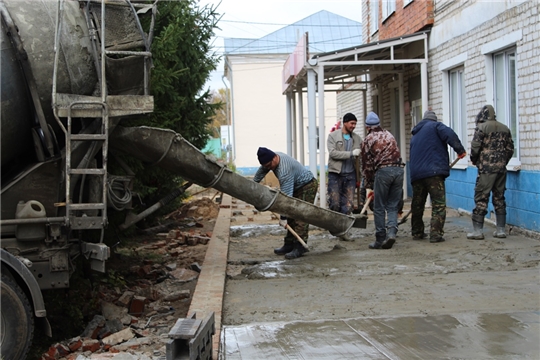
column 501, row 226
column 379, row 240
column 287, row 247
column 296, row 252
column 390, row 239
column 478, row 225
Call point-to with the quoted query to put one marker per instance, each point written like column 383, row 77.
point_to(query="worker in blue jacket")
column 429, row 167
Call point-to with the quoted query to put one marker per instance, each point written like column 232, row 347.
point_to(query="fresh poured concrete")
column 461, row 336
column 460, row 299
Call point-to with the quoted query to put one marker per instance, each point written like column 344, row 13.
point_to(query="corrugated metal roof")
column 327, row 32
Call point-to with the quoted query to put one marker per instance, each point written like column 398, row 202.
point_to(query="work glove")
column 356, row 152
column 461, row 156
column 283, row 222
column 370, row 194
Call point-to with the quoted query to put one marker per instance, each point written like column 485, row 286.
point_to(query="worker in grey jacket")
column 343, row 150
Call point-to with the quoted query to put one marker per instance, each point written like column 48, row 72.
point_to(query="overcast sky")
column 257, row 18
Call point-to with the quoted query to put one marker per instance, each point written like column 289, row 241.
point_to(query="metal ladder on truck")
column 75, row 108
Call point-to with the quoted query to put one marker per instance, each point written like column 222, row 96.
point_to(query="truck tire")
column 16, row 321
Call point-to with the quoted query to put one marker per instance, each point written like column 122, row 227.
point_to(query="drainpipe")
column 229, row 130
column 232, row 130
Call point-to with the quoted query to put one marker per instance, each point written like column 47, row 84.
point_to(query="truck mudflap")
column 169, row 150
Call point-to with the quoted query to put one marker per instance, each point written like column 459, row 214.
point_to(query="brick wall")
column 416, row 16
column 525, row 17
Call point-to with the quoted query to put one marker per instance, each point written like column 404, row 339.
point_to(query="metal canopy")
column 346, row 66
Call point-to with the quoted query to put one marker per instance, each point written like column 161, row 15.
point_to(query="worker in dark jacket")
column 429, row 167
column 492, row 148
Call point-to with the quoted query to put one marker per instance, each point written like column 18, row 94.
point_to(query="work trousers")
column 435, row 187
column 495, row 184
column 388, row 192
column 341, row 192
column 306, row 193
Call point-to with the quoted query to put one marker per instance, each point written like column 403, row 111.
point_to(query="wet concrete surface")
column 459, row 299
column 463, row 336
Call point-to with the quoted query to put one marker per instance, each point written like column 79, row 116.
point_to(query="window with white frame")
column 374, row 12
column 505, row 92
column 388, row 8
column 407, row 2
column 458, row 112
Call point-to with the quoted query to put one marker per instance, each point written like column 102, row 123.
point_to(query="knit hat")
column 265, row 155
column 348, row 117
column 430, row 115
column 372, row 119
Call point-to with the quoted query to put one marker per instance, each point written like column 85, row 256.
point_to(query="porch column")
column 322, row 140
column 288, row 123
column 424, row 81
column 402, row 139
column 294, row 140
column 301, row 149
column 312, row 121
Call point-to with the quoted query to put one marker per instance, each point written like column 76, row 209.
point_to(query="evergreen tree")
column 182, row 62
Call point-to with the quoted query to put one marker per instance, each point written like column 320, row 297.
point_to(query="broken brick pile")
column 137, row 320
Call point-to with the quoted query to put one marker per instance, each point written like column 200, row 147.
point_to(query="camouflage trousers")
column 434, row 186
column 495, row 184
column 341, row 192
column 306, row 193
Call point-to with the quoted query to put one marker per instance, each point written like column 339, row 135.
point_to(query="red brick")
column 75, row 345
column 91, row 345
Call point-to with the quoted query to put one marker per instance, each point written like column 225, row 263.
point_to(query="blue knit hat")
column 372, row 119
column 265, row 155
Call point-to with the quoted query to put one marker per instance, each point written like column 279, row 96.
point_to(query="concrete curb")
column 208, row 295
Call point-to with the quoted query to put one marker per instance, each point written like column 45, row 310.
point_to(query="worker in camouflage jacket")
column 383, row 172
column 492, row 148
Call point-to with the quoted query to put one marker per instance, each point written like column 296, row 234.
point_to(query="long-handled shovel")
column 358, row 182
column 404, row 218
column 300, row 240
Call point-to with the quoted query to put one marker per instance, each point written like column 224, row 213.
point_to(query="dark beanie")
column 430, row 115
column 265, row 155
column 349, row 117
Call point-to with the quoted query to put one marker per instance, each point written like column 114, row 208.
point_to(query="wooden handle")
column 454, row 162
column 366, row 205
column 297, row 237
column 300, row 240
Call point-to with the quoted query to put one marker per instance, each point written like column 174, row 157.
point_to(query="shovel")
column 404, row 218
column 358, row 181
column 300, row 240
column 361, row 219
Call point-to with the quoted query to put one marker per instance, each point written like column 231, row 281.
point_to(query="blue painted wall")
column 522, row 195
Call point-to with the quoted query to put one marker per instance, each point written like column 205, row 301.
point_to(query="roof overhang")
column 347, row 66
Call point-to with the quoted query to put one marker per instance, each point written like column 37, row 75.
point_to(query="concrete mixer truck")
column 72, row 74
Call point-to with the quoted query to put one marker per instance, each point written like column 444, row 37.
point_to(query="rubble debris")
column 135, row 319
